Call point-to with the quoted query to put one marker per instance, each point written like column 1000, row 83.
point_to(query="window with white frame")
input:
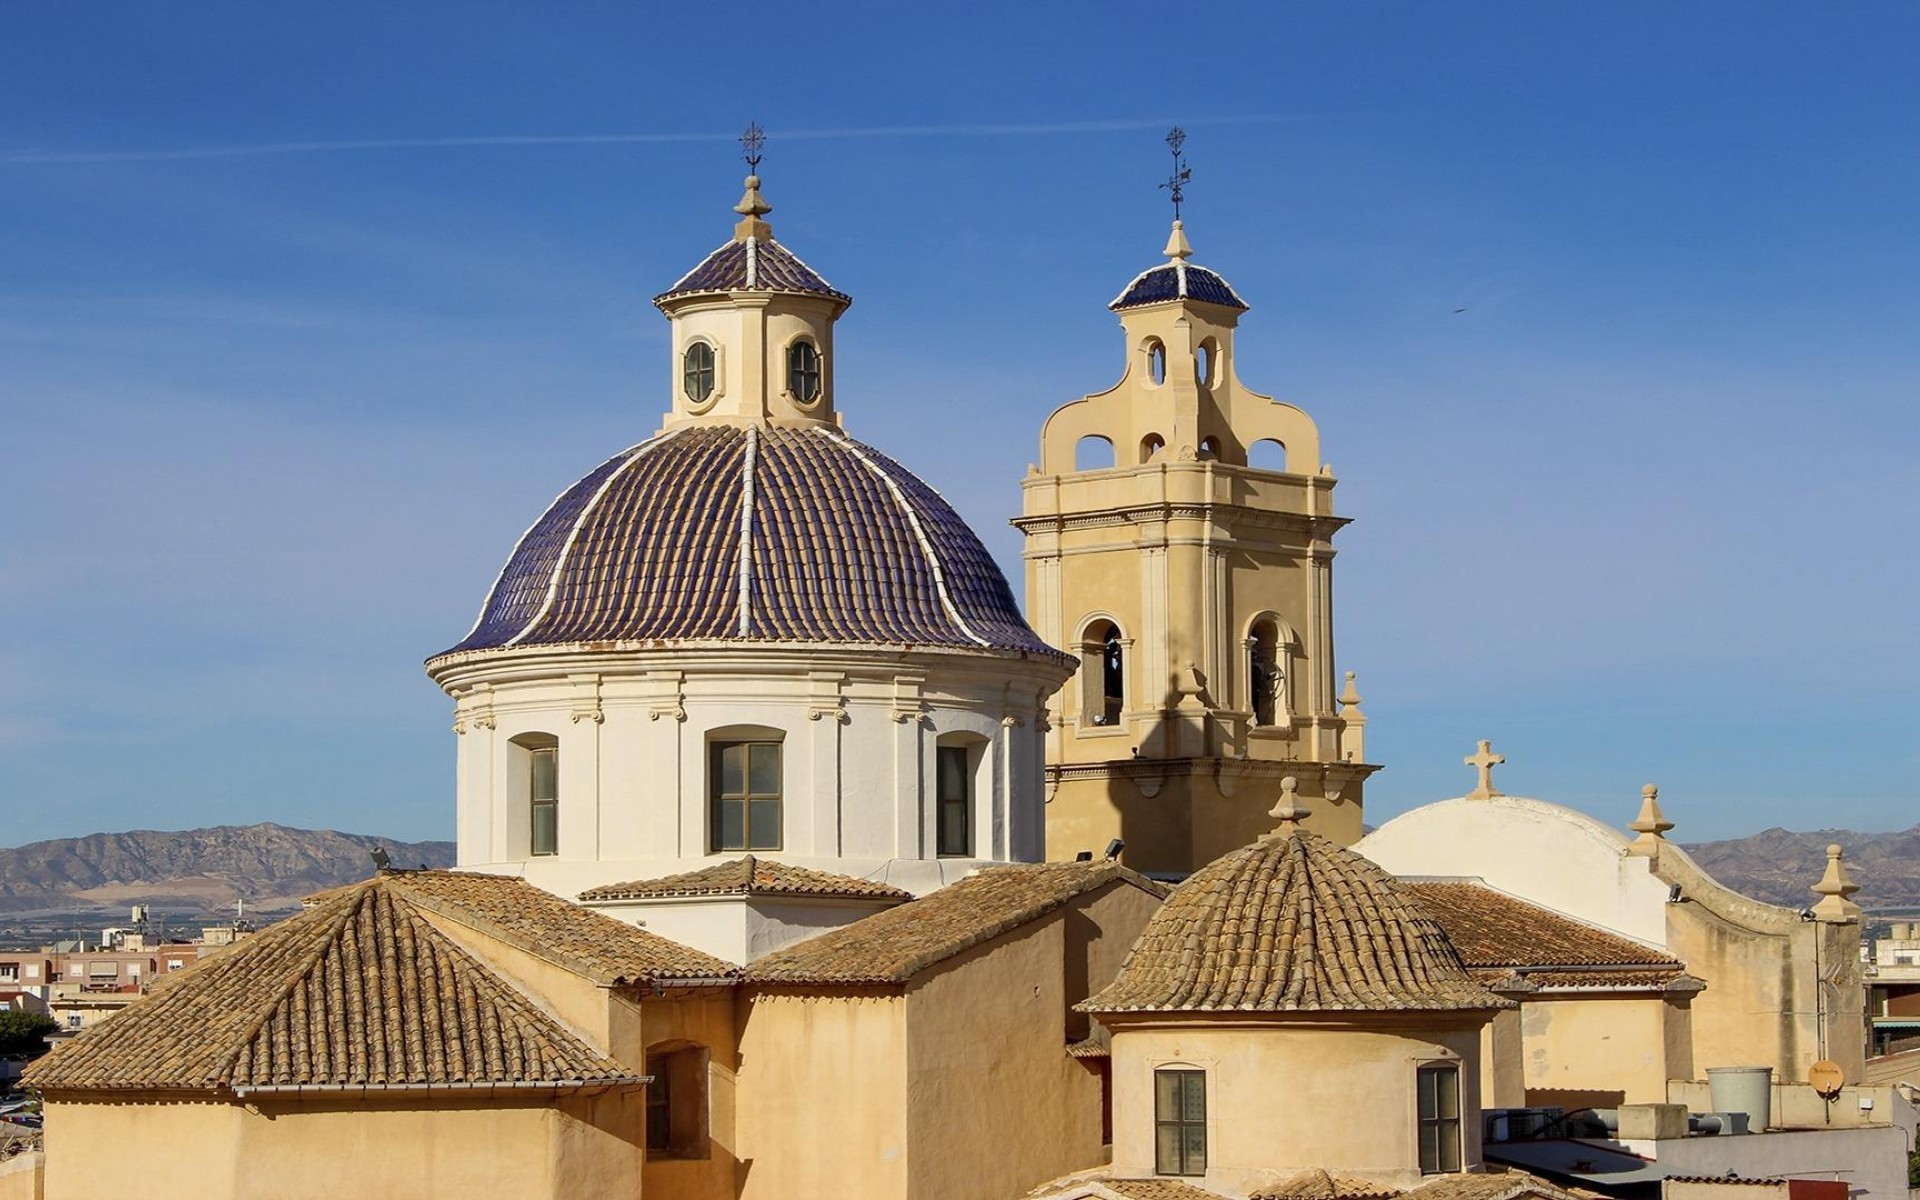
column 1180, row 1121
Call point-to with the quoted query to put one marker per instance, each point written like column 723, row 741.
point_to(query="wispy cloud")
column 349, row 145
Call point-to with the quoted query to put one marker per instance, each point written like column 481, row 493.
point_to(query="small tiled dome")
column 1177, row 280
column 747, row 533
column 1292, row 923
column 753, row 264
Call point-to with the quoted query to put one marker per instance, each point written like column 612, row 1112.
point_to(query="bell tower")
column 1179, row 539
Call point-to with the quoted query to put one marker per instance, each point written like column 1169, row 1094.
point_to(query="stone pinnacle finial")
column 1836, row 889
column 1484, row 760
column 1350, row 698
column 1289, row 811
column 1651, row 824
column 1178, row 247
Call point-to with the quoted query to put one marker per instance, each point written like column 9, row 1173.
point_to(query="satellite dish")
column 1826, row 1078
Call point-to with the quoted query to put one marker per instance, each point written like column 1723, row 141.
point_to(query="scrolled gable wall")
column 858, row 730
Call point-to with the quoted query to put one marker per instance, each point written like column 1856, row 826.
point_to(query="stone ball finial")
column 1289, row 811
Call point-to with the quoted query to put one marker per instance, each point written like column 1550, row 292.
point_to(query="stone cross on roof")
column 1485, row 760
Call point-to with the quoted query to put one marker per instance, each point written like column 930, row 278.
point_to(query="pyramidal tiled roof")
column 1177, row 280
column 717, row 532
column 750, row 876
column 359, row 990
column 893, row 946
column 1292, row 923
column 753, row 264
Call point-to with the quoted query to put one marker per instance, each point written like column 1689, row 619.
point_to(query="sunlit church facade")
column 797, row 860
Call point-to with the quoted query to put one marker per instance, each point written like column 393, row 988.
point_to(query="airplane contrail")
column 253, row 150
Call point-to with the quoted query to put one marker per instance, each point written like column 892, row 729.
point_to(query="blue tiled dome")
column 716, row 532
column 753, row 264
column 1177, row 280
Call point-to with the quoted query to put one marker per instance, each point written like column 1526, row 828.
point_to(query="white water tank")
column 1746, row 1090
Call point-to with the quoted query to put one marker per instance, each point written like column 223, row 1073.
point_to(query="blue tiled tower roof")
column 753, row 264
column 1177, row 280
column 721, row 532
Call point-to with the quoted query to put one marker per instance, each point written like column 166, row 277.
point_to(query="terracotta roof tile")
column 1493, row 929
column 750, row 876
column 1317, row 1184
column 588, row 943
column 359, row 990
column 1490, row 1185
column 1292, row 923
column 893, row 946
column 1157, row 1189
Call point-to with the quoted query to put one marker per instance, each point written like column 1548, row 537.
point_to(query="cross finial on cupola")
column 1484, row 760
column 1176, row 185
column 1289, row 811
column 752, row 206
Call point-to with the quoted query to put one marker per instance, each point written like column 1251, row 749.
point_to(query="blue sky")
column 282, row 376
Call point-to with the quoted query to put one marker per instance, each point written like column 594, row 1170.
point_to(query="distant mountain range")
column 1779, row 865
column 272, row 866
column 206, row 870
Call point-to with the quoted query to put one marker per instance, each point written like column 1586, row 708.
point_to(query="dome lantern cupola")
column 752, row 328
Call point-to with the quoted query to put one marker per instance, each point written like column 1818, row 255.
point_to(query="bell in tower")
column 1179, row 539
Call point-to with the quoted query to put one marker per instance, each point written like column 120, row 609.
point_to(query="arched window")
column 1203, row 364
column 1093, row 453
column 536, row 776
column 744, row 790
column 1266, row 673
column 1156, row 361
column 1209, row 449
column 1151, row 446
column 1103, row 672
column 1267, row 455
column 803, row 371
column 697, row 372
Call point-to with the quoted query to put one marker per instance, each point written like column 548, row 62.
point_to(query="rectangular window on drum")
column 1439, row 1088
column 955, row 801
column 744, row 779
column 1180, row 1122
column 544, row 797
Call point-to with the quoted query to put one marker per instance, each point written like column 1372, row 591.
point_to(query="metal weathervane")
column 751, row 143
column 1176, row 183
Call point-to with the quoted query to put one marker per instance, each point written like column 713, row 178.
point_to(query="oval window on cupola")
column 696, row 372
column 803, row 372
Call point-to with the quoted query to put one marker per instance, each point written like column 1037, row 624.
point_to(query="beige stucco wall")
column 703, row 1019
column 821, row 1097
column 301, row 1150
column 996, row 1106
column 957, row 1086
column 22, row 1175
column 1285, row 1098
column 1601, row 1052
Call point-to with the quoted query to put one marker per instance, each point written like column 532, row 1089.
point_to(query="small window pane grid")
column 803, row 372
column 696, row 372
column 544, row 801
column 954, row 836
column 746, row 796
column 1180, row 1122
column 1439, row 1089
column 659, row 1108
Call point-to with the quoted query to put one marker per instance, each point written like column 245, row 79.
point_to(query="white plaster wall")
column 1549, row 855
column 858, row 730
column 737, row 928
